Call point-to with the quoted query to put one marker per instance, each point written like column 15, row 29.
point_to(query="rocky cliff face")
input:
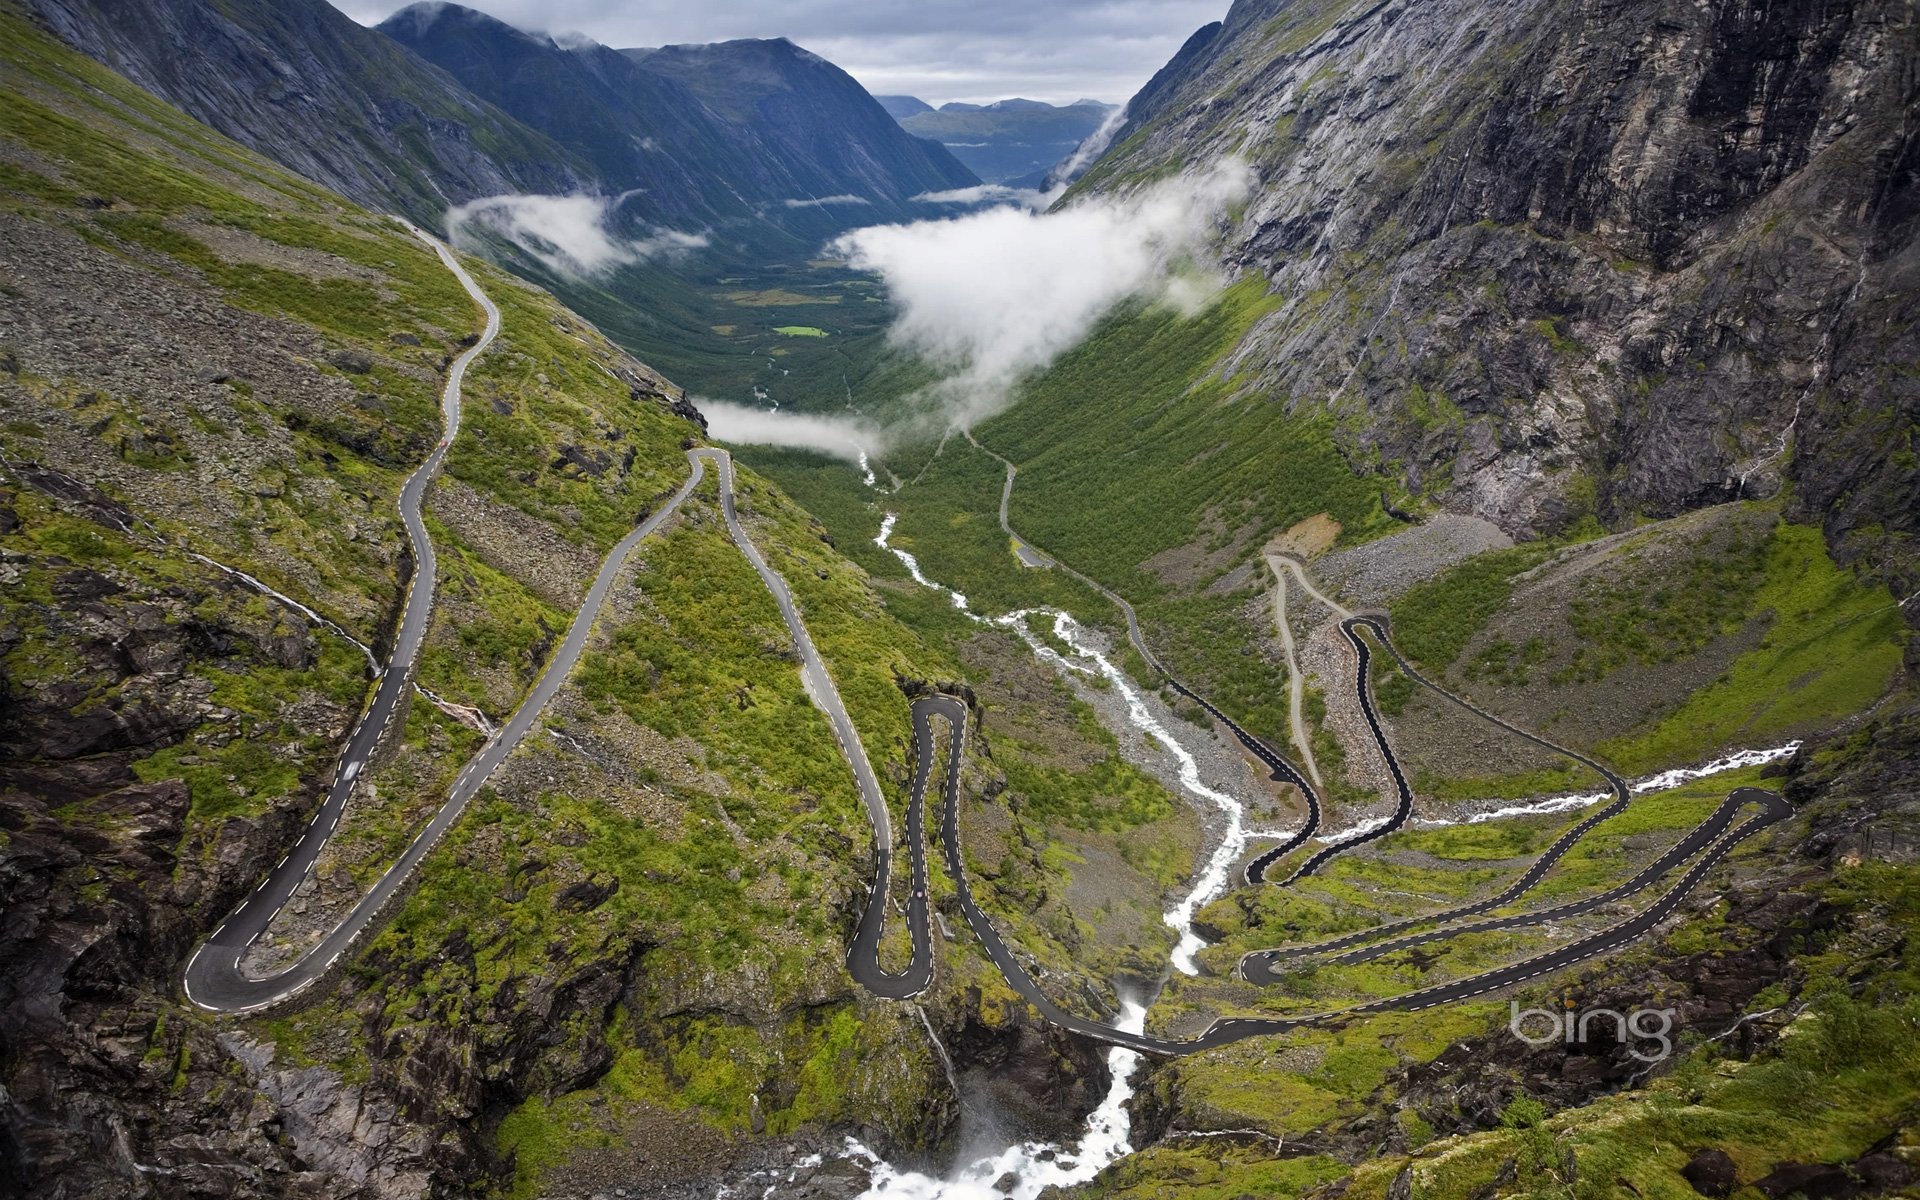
column 340, row 104
column 108, row 879
column 1542, row 260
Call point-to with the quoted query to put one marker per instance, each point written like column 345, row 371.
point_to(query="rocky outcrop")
column 1045, row 1081
column 108, row 878
column 1546, row 260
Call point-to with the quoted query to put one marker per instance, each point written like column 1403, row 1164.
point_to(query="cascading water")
column 1213, row 880
column 1233, row 842
column 1034, row 1166
column 1652, row 783
column 1037, row 1165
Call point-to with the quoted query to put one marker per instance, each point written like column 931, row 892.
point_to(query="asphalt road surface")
column 1280, row 769
column 1403, row 805
column 1257, row 967
column 863, row 957
column 213, row 978
column 1233, row 1029
column 1540, row 866
column 813, row 672
column 1262, row 966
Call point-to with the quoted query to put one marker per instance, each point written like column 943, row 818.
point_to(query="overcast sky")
column 939, row 50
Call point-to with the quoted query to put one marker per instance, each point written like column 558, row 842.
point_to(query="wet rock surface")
column 1622, row 258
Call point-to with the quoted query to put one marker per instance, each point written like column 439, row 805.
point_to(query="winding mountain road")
column 1622, row 795
column 1260, row 965
column 863, row 956
column 1233, row 1029
column 1403, row 806
column 1263, row 967
column 214, row 980
column 1281, row 771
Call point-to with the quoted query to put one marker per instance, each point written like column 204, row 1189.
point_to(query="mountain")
column 302, row 84
column 1008, row 139
column 703, row 222
column 699, row 134
column 1577, row 336
column 803, row 104
column 216, row 379
column 903, row 106
column 1602, row 320
column 443, row 105
column 1562, row 373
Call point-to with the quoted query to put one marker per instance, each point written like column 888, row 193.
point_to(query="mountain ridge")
column 698, row 134
column 1011, row 139
column 306, row 86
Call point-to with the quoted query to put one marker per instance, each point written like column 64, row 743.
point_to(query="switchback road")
column 213, row 978
column 1232, row 1029
column 1280, row 769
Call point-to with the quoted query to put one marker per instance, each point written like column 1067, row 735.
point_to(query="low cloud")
column 993, row 296
column 842, row 437
column 571, row 235
column 825, row 201
column 989, row 193
column 1076, row 164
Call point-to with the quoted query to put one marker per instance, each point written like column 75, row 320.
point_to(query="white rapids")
column 1213, row 879
column 1034, row 1166
column 1652, row 783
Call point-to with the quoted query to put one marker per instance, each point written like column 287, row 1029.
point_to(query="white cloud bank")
column 1093, row 147
column 991, row 193
column 993, row 296
column 827, row 201
column 842, row 437
column 569, row 234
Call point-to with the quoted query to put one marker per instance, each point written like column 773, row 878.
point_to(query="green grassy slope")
column 708, row 858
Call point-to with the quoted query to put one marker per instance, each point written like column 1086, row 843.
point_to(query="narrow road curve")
column 1262, row 960
column 863, row 956
column 1296, row 682
column 1258, row 967
column 1292, row 565
column 1280, row 769
column 1772, row 810
column 813, row 672
column 1233, row 1029
column 206, row 983
column 213, row 979
column 1403, row 806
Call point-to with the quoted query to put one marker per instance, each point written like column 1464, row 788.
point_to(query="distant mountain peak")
column 899, row 107
column 425, row 16
column 1011, row 139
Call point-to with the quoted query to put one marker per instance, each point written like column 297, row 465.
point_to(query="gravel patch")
column 1371, row 575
